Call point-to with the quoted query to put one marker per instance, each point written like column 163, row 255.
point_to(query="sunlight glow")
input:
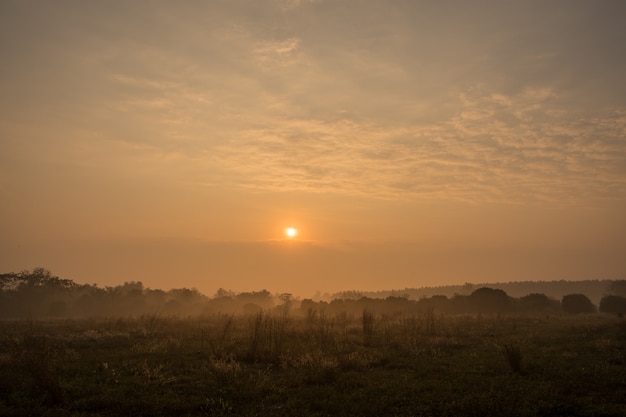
column 291, row 232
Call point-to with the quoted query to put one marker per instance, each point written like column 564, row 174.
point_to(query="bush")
column 38, row 357
column 613, row 304
column 489, row 300
column 538, row 303
column 577, row 304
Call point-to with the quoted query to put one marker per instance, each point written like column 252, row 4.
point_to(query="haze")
column 410, row 143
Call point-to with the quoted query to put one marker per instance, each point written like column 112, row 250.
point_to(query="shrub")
column 314, row 367
column 38, row 357
column 538, row 303
column 613, row 304
column 489, row 300
column 577, row 303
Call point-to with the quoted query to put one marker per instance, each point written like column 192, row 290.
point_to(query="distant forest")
column 594, row 289
column 38, row 294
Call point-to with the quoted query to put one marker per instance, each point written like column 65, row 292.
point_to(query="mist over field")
column 39, row 294
column 75, row 349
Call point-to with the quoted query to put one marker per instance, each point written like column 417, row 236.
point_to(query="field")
column 285, row 364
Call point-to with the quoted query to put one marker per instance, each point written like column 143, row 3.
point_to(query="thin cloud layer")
column 517, row 149
column 230, row 118
column 331, row 97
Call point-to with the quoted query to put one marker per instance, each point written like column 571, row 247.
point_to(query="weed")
column 429, row 321
column 330, row 364
column 368, row 319
column 153, row 324
column 38, row 356
column 326, row 333
column 266, row 337
column 153, row 374
column 356, row 360
column 255, row 335
column 314, row 367
column 225, row 370
column 513, row 354
column 219, row 344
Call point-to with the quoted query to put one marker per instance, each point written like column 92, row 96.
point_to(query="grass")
column 513, row 355
column 368, row 320
column 317, row 365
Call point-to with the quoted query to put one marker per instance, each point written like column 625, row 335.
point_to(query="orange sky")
column 410, row 143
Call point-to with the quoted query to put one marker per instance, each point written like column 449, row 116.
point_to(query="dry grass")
column 276, row 364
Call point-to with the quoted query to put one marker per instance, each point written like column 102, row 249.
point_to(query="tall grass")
column 276, row 364
column 266, row 337
column 38, row 357
column 218, row 339
column 513, row 354
column 430, row 324
column 255, row 336
column 367, row 320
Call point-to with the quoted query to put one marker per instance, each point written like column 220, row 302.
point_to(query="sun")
column 291, row 232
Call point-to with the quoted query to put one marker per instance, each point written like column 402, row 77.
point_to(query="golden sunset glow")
column 428, row 143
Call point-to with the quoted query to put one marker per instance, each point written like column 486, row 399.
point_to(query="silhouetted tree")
column 459, row 304
column 224, row 304
column 349, row 295
column 286, row 301
column 397, row 305
column 261, row 298
column 308, row 304
column 131, row 288
column 613, row 304
column 221, row 292
column 9, row 282
column 35, row 293
column 467, row 288
column 41, row 277
column 439, row 303
column 251, row 309
column 489, row 300
column 538, row 303
column 577, row 303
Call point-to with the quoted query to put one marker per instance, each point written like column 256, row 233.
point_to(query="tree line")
column 40, row 294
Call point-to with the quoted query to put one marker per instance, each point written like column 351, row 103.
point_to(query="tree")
column 41, row 278
column 397, row 305
column 537, row 303
column 221, row 292
column 262, row 298
column 577, row 304
column 613, row 304
column 489, row 300
column 9, row 282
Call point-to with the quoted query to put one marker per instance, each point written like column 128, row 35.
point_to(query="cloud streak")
column 518, row 148
column 297, row 100
column 327, row 97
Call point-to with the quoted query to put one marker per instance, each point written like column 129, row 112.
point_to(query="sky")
column 410, row 143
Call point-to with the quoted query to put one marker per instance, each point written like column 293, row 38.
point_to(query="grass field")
column 281, row 364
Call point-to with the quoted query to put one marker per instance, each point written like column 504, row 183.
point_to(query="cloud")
column 403, row 101
column 293, row 4
column 505, row 148
column 273, row 54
